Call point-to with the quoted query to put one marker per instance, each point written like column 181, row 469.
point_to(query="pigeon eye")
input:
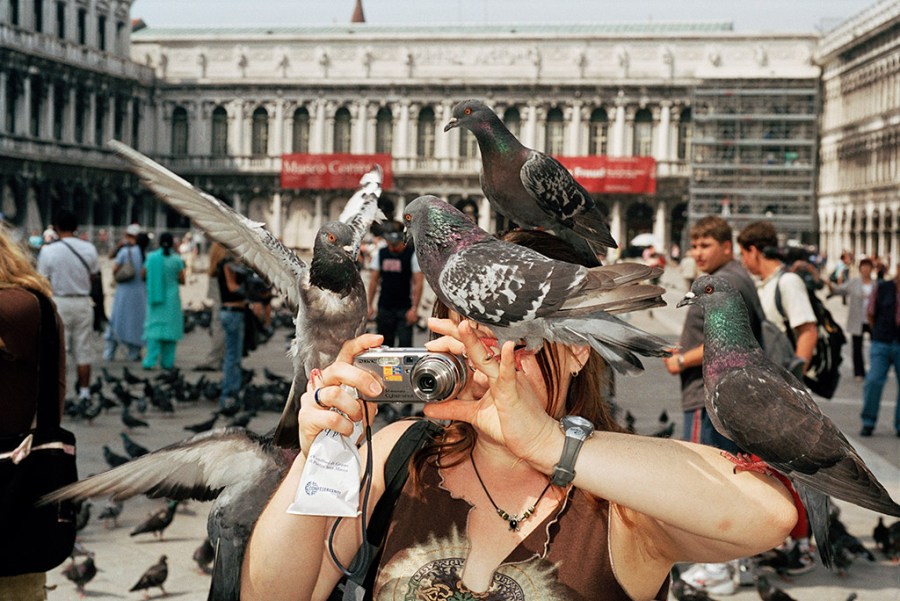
column 331, row 237
column 708, row 290
column 467, row 111
column 407, row 217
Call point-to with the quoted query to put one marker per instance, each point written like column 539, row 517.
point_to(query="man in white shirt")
column 68, row 263
column 759, row 254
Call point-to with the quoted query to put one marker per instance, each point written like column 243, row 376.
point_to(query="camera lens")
column 438, row 377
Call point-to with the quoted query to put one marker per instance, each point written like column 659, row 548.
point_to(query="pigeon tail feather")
column 591, row 226
column 850, row 480
column 818, row 508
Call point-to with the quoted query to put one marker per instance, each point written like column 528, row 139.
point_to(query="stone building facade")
column 859, row 177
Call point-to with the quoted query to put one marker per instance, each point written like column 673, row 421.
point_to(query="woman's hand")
column 502, row 402
column 315, row 413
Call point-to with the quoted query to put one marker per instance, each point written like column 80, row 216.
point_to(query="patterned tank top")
column 565, row 558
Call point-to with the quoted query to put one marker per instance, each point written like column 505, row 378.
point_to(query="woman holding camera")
column 532, row 491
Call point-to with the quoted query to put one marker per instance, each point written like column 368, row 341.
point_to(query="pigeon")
column 237, row 468
column 131, row 422
column 83, row 516
column 328, row 295
column 132, row 379
column 111, row 511
column 629, row 422
column 532, row 188
column 521, row 294
column 768, row 592
column 154, row 577
column 683, row 591
column 664, row 417
column 665, row 431
column 132, row 448
column 881, row 535
column 81, row 573
column 766, row 411
column 157, row 522
column 204, row 556
column 841, row 540
column 203, row 426
column 112, row 458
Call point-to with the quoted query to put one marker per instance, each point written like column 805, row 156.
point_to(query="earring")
column 574, row 373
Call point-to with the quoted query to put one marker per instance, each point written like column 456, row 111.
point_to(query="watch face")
column 577, row 426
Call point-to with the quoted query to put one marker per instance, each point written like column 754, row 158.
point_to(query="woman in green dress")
column 164, row 326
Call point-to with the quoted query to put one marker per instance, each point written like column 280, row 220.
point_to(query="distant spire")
column 358, row 16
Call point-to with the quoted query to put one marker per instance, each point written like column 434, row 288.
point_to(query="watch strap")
column 564, row 472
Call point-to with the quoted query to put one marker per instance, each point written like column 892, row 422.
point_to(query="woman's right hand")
column 317, row 416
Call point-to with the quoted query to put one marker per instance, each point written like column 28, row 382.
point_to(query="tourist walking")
column 164, row 326
column 126, row 320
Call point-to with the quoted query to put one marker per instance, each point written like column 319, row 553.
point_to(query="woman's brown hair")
column 17, row 269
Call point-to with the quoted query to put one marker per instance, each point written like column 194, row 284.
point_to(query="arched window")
column 643, row 133
column 342, row 130
column 425, row 133
column 100, row 108
column 81, row 106
column 598, row 134
column 300, row 135
column 685, row 129
column 219, row 137
column 513, row 121
column 556, row 138
column 179, row 131
column 259, row 138
column 384, row 131
column 37, row 102
column 13, row 89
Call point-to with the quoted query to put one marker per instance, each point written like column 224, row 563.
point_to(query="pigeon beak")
column 348, row 249
column 454, row 122
column 687, row 300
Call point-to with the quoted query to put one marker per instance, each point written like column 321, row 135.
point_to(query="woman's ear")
column 577, row 357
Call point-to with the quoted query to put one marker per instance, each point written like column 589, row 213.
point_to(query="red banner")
column 331, row 171
column 613, row 175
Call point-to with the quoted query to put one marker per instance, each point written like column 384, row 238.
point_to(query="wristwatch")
column 577, row 429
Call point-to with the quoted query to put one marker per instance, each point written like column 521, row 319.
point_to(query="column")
column 662, row 138
column 615, row 224
column 328, row 126
column 288, row 129
column 49, row 110
column 573, row 139
column 371, row 113
column 320, row 214
column 359, row 135
column 628, row 137
column 3, row 83
column 235, row 110
column 90, row 124
column 660, row 225
column 275, row 226
column 237, row 205
column 163, row 128
column 617, row 141
column 485, row 214
column 401, row 140
column 317, row 135
column 69, row 113
column 442, row 141
column 529, row 134
column 277, row 123
column 110, row 129
column 23, row 117
column 126, row 120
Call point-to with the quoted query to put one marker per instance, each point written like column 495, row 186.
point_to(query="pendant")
column 514, row 525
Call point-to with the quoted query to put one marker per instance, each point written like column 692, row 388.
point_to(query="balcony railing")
column 54, row 151
column 76, row 55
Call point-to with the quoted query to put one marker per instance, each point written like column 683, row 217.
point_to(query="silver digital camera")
column 413, row 375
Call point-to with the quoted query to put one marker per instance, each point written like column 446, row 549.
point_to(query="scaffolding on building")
column 753, row 154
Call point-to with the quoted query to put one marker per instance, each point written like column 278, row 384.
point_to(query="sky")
column 796, row 16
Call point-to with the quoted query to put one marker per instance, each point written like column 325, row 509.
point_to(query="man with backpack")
column 759, row 254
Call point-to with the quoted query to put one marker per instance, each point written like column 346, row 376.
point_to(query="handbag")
column 126, row 271
column 37, row 538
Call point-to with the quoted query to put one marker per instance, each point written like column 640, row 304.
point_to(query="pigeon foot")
column 747, row 463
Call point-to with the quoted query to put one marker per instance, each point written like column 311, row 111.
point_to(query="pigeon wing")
column 362, row 208
column 249, row 240
column 559, row 195
column 198, row 468
column 496, row 283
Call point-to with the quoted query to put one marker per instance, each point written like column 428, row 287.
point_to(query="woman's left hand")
column 510, row 410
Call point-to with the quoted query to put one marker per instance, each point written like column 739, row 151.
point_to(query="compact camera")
column 413, row 375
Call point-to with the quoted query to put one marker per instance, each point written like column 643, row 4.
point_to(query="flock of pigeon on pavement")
column 520, row 295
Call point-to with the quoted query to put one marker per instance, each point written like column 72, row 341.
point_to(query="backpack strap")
column 778, row 303
column 396, row 472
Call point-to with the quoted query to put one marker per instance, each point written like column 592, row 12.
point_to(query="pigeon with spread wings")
column 328, row 294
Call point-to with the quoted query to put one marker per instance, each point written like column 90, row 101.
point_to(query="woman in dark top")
column 20, row 344
column 481, row 518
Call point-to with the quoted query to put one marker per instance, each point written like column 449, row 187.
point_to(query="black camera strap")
column 364, row 566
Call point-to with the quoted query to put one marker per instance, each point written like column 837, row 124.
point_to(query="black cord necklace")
column 513, row 521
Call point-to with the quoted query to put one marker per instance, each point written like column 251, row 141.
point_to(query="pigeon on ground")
column 521, row 294
column 81, row 573
column 204, row 556
column 157, row 522
column 629, row 422
column 111, row 511
column 154, row 577
column 132, row 448
column 531, row 188
column 881, row 535
column 132, row 379
column 766, row 411
column 237, row 468
column 112, row 458
column 132, row 422
column 665, row 431
column 328, row 295
column 83, row 515
column 768, row 592
column 203, row 426
column 842, row 541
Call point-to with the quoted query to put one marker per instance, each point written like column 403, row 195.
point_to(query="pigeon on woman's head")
column 521, row 294
column 532, row 188
column 766, row 411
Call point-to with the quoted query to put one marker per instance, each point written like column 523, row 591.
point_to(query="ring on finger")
column 318, row 402
column 488, row 358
